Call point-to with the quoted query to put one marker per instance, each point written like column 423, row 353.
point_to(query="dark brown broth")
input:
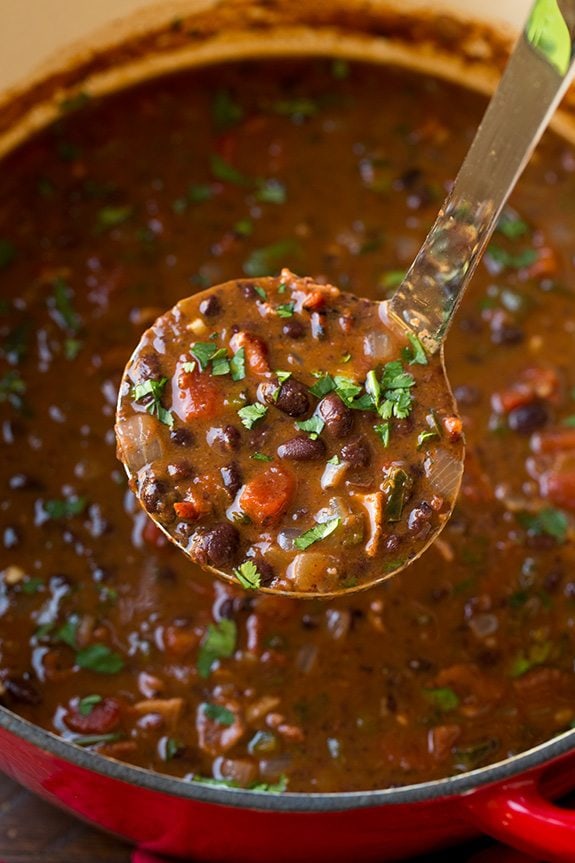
column 463, row 660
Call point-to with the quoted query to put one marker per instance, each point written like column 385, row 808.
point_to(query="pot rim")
column 304, row 802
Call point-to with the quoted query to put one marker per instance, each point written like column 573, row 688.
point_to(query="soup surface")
column 108, row 635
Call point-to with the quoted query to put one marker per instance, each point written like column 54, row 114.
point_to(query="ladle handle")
column 538, row 73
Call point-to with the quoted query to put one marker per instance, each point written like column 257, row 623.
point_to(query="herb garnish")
column 511, row 226
column 261, row 456
column 323, row 386
column 99, row 658
column 65, row 508
column 222, row 170
column 286, row 310
column 415, row 353
column 444, row 698
column 226, row 111
column 267, row 259
column 549, row 520
column 12, row 388
column 238, row 365
column 111, row 217
column 64, row 314
column 315, row 533
column 383, row 431
column 218, row 713
column 248, row 576
column 250, row 414
column 87, row 704
column 270, row 192
column 508, row 259
column 313, row 426
column 155, row 408
column 219, row 642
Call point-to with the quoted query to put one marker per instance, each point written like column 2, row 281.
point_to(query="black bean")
column 21, row 691
column 157, row 498
column 392, row 543
column 247, row 290
column 265, row 570
column 294, row 329
column 148, row 366
column 182, row 437
column 302, row 448
column 24, row 481
column 211, row 306
column 291, row 397
column 216, row 546
column 228, row 438
column 232, row 478
column 356, row 452
column 526, row 419
column 181, row 469
column 418, row 521
column 337, row 417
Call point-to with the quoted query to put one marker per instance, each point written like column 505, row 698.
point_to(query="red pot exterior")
column 206, row 831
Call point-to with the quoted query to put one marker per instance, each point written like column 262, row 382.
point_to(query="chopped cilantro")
column 334, row 460
column 271, row 192
column 298, row 106
column 261, row 456
column 511, row 226
column 219, row 642
column 383, row 431
column 508, row 259
column 286, row 310
column 196, row 193
column 32, row 585
column 72, row 348
column 189, row 367
column 346, row 389
column 7, row 253
column 203, row 353
column 87, row 704
column 155, row 408
column 537, row 654
column 392, row 279
column 238, row 365
column 415, row 353
column 346, row 358
column 96, row 739
column 65, row 508
column 111, row 217
column 444, row 698
column 260, row 292
column 222, row 170
column 316, row 533
column 373, row 387
column 267, row 259
column 282, row 376
column 313, row 426
column 250, row 414
column 244, row 227
column 171, row 748
column 248, row 576
column 225, row 110
column 426, row 437
column 12, row 388
column 68, row 631
column 551, row 521
column 323, row 386
column 220, row 363
column 99, row 658
column 219, row 714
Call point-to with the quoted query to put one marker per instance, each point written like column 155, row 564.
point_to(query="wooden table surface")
column 32, row 831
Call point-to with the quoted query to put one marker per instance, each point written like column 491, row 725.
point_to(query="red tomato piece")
column 195, row 395
column 265, row 497
column 103, row 717
column 255, row 349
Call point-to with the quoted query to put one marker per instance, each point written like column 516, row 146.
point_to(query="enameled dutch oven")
column 509, row 800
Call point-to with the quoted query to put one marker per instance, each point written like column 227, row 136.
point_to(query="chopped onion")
column 338, row 622
column 377, row 346
column 333, row 474
column 444, row 473
column 138, row 441
column 285, row 538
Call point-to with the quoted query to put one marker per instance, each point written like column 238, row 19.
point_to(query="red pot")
column 187, row 819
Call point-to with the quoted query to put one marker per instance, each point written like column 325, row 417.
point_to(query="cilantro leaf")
column 64, row 508
column 219, row 642
column 267, row 259
column 271, row 192
column 238, row 365
column 511, row 226
column 383, row 432
column 551, row 521
column 87, row 704
column 444, row 698
column 373, row 387
column 508, row 259
column 248, row 576
column 99, row 658
column 203, row 352
column 219, row 714
column 415, row 353
column 261, row 456
column 323, row 386
column 313, row 426
column 222, row 170
column 154, row 388
column 250, row 414
column 286, row 310
column 282, row 376
column 315, row 533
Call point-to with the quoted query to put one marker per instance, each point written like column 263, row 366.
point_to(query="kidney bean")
column 21, row 691
column 302, row 448
column 292, row 398
column 232, row 478
column 357, row 452
column 337, row 417
column 211, row 306
column 217, row 546
column 528, row 418
column 103, row 718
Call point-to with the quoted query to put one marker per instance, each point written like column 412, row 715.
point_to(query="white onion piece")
column 336, row 508
column 333, row 474
column 338, row 622
column 377, row 346
column 138, row 441
column 444, row 473
column 272, row 768
column 313, row 571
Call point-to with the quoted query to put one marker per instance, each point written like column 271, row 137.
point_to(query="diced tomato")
column 545, row 266
column 193, row 508
column 195, row 395
column 558, row 487
column 102, row 718
column 533, row 383
column 153, row 535
column 266, row 496
column 453, row 428
column 315, row 301
column 179, row 641
column 255, row 349
column 554, row 440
